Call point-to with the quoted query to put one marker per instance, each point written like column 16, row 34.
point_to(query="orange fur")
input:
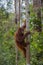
column 20, row 39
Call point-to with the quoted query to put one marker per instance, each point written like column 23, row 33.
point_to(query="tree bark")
column 27, row 27
column 17, row 18
column 42, row 19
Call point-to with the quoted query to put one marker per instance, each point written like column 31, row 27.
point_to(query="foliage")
column 3, row 13
column 7, row 42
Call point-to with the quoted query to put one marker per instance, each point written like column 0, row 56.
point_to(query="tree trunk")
column 16, row 55
column 27, row 27
column 17, row 18
column 42, row 19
